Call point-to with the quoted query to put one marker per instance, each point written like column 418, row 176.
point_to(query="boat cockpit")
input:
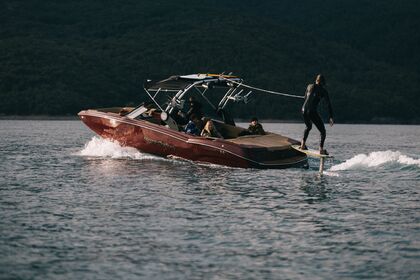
column 169, row 98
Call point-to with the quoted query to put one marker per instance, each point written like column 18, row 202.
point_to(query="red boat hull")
column 162, row 141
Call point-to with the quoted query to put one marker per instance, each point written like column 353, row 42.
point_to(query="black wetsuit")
column 314, row 94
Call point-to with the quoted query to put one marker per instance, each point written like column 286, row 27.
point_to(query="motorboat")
column 158, row 126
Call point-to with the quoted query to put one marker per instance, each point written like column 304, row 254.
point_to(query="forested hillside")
column 59, row 57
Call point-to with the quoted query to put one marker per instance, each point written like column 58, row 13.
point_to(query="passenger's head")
column 320, row 80
column 209, row 125
column 254, row 121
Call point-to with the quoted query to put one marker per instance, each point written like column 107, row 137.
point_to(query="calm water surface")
column 73, row 206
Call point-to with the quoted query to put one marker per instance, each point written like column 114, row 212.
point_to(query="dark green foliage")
column 59, row 57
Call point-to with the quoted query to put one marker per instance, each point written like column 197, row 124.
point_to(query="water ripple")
column 77, row 207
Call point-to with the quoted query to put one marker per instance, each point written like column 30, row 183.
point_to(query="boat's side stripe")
column 181, row 139
column 203, row 144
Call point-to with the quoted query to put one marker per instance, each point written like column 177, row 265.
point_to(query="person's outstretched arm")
column 330, row 110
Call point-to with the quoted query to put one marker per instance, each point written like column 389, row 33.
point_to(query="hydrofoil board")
column 311, row 152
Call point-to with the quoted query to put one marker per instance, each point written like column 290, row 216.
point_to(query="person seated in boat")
column 179, row 117
column 210, row 130
column 255, row 128
column 195, row 108
column 193, row 126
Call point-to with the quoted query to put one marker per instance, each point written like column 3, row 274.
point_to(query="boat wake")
column 99, row 147
column 102, row 148
column 376, row 159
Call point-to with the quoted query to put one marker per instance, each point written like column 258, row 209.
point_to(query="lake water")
column 73, row 206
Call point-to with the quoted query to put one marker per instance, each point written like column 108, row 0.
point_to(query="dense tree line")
column 59, row 57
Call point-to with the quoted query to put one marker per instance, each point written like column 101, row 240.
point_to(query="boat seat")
column 226, row 130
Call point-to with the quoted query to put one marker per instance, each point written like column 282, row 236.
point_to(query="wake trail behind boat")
column 376, row 159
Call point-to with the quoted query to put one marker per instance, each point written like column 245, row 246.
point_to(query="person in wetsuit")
column 313, row 95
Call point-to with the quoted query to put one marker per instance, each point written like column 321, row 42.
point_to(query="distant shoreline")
column 73, row 118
